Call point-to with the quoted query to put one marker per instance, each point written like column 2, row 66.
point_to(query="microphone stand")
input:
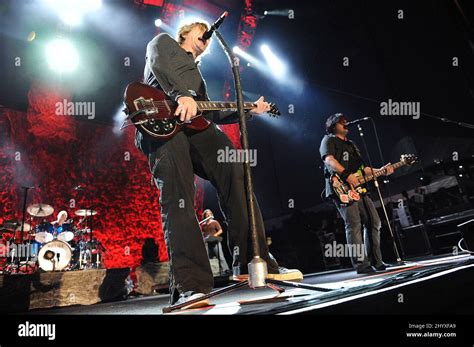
column 257, row 267
column 23, row 219
column 376, row 184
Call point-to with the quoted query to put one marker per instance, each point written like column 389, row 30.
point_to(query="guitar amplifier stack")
column 444, row 233
column 438, row 235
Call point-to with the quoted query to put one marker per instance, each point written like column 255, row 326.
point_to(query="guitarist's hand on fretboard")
column 187, row 108
column 262, row 106
column 388, row 169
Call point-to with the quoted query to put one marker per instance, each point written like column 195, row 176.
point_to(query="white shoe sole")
column 199, row 304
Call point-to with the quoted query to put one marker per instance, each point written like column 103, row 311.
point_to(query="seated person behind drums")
column 61, row 218
column 63, row 229
column 211, row 229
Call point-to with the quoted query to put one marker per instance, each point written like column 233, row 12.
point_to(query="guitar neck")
column 377, row 173
column 222, row 105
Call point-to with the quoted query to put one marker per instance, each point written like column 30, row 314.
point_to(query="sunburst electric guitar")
column 347, row 194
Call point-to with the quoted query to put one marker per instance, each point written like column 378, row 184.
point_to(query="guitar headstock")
column 408, row 159
column 274, row 111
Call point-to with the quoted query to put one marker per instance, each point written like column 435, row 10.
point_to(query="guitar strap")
column 359, row 156
column 339, row 153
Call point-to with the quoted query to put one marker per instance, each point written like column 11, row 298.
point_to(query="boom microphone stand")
column 257, row 268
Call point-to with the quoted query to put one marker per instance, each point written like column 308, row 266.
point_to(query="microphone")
column 207, row 35
column 357, row 121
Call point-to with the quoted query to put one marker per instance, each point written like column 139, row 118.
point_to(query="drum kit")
column 61, row 245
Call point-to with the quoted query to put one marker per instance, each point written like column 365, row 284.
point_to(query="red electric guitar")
column 152, row 111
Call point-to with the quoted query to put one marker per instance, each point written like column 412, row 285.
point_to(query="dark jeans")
column 173, row 164
column 360, row 213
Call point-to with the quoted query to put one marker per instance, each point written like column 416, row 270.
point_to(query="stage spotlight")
column 249, row 58
column 158, row 23
column 275, row 64
column 31, row 36
column 62, row 56
column 72, row 11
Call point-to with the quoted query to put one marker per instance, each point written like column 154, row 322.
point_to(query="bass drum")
column 54, row 256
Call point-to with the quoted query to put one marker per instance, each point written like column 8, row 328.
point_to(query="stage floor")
column 420, row 286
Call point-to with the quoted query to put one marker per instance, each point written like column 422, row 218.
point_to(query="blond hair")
column 186, row 28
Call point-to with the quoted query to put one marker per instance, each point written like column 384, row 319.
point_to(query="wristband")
column 344, row 174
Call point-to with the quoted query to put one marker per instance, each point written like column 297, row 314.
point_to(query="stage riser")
column 20, row 293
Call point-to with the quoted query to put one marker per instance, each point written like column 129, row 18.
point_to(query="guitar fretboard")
column 209, row 105
column 222, row 105
column 378, row 173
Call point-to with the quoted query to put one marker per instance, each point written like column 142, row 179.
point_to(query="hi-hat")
column 40, row 210
column 9, row 225
column 84, row 213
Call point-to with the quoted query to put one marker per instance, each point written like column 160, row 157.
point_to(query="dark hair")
column 332, row 121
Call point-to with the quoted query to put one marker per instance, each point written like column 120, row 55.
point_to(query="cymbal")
column 40, row 210
column 84, row 212
column 26, row 227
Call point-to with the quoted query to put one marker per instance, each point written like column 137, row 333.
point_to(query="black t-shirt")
column 345, row 152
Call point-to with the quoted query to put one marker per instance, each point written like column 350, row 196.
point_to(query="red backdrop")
column 59, row 152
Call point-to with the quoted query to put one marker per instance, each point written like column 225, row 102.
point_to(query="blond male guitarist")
column 172, row 67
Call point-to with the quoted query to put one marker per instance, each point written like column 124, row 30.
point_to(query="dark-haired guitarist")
column 342, row 156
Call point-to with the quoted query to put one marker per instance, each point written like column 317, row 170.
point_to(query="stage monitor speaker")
column 467, row 231
column 414, row 241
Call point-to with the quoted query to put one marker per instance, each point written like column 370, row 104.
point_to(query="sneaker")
column 183, row 298
column 283, row 274
column 381, row 267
